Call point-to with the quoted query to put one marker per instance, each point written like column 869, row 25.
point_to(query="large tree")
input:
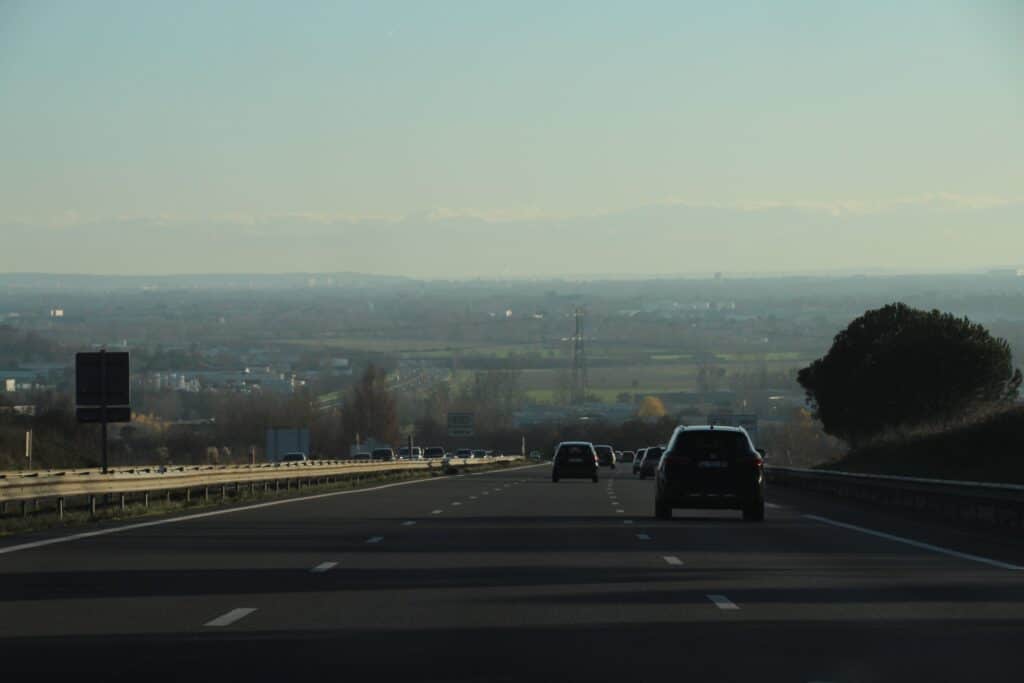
column 370, row 410
column 898, row 365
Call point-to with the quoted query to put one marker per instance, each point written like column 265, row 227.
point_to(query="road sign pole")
column 103, row 407
column 28, row 447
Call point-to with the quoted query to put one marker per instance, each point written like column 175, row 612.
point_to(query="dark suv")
column 605, row 456
column 574, row 459
column 649, row 465
column 711, row 467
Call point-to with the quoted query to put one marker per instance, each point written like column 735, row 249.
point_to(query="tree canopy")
column 370, row 410
column 897, row 366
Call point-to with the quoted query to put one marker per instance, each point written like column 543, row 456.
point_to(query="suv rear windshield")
column 604, row 451
column 574, row 451
column 652, row 453
column 381, row 452
column 702, row 443
column 434, row 451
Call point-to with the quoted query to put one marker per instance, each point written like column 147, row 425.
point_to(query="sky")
column 464, row 139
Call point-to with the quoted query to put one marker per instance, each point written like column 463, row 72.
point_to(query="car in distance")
column 363, row 455
column 627, row 456
column 711, row 467
column 637, row 459
column 433, row 452
column 605, row 456
column 574, row 460
column 295, row 456
column 536, row 455
column 649, row 464
column 464, row 453
column 405, row 454
column 383, row 454
column 479, row 453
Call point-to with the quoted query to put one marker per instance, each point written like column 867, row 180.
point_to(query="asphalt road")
column 505, row 576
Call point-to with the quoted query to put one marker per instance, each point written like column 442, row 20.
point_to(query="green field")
column 663, row 371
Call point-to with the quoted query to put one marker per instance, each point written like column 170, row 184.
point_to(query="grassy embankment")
column 989, row 449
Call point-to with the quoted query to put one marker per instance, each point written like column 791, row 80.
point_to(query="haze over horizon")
column 530, row 140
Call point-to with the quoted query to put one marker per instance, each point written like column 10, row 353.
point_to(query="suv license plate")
column 575, row 459
column 712, row 464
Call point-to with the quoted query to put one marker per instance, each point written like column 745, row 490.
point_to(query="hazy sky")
column 176, row 127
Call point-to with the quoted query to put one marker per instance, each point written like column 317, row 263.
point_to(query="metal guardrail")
column 29, row 488
column 984, row 503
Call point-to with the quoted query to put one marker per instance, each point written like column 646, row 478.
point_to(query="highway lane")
column 506, row 576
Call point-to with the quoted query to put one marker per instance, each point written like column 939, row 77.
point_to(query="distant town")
column 521, row 355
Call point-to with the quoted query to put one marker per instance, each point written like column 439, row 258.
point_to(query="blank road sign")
column 461, row 424
column 89, row 379
column 94, row 414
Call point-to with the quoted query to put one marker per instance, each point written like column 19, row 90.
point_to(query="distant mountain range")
column 938, row 234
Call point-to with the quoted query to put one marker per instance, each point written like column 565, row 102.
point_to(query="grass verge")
column 990, row 449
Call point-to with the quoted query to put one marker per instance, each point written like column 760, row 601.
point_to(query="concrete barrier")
column 984, row 503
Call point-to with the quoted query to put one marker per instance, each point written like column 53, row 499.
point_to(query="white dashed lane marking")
column 375, row 539
column 722, row 602
column 673, row 560
column 231, row 617
column 408, row 523
column 643, row 537
column 323, row 567
column 436, row 512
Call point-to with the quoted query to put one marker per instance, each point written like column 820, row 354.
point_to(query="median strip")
column 231, row 617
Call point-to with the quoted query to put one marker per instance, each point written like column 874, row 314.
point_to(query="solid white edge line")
column 917, row 544
column 214, row 513
column 231, row 617
column 323, row 567
column 722, row 602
